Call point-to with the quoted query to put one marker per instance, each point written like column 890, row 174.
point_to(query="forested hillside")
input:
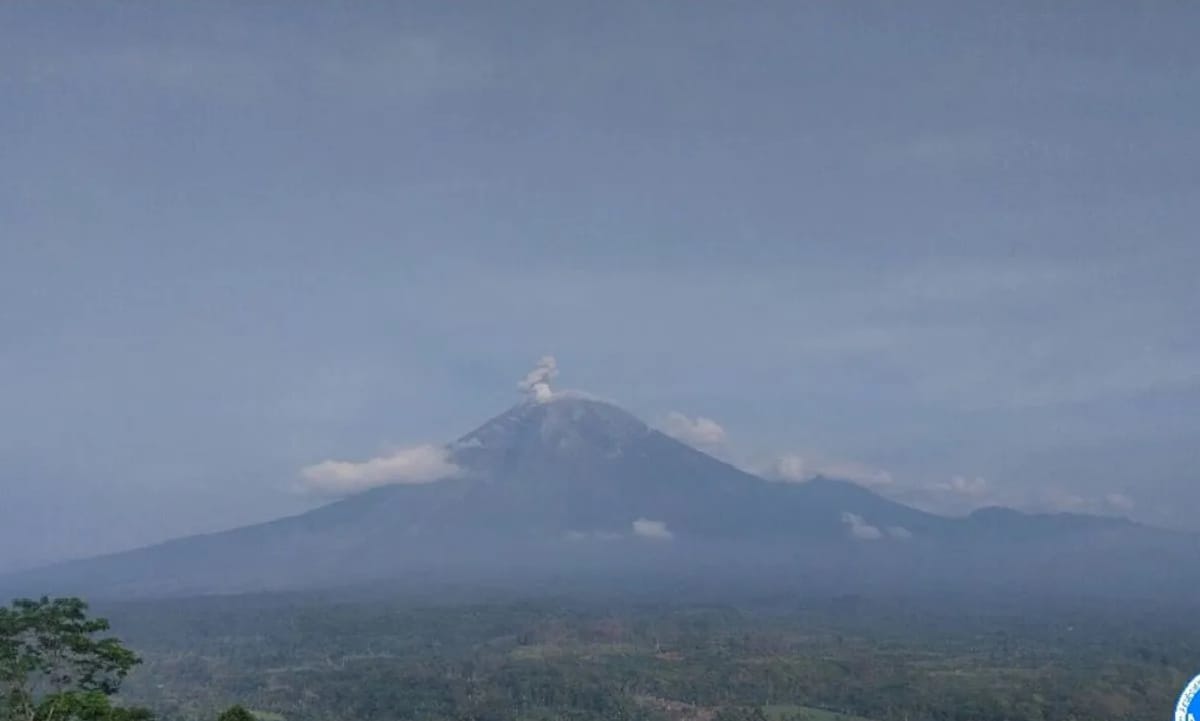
column 304, row 659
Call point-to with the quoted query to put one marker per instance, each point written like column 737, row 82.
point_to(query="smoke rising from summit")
column 536, row 384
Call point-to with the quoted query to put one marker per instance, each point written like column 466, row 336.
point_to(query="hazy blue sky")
column 930, row 243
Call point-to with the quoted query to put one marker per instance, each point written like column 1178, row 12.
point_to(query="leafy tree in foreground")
column 53, row 667
column 236, row 713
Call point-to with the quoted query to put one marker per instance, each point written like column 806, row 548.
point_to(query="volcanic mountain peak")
column 566, row 423
column 549, row 476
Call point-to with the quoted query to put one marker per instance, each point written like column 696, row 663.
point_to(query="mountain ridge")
column 569, row 483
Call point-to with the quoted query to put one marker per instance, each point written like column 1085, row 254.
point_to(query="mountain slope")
column 571, row 484
column 581, row 465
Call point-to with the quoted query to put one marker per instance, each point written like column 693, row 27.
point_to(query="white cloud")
column 652, row 529
column 859, row 473
column 954, row 496
column 964, row 486
column 414, row 465
column 536, row 383
column 789, row 468
column 900, row 533
column 795, row 468
column 860, row 529
column 1119, row 502
column 700, row 432
column 1060, row 500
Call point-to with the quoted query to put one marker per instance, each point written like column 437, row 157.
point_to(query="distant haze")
column 943, row 250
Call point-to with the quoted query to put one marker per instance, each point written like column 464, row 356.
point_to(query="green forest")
column 297, row 658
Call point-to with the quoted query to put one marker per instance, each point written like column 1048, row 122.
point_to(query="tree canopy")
column 54, row 665
column 236, row 713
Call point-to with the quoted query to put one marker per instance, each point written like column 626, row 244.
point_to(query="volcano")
column 564, row 484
